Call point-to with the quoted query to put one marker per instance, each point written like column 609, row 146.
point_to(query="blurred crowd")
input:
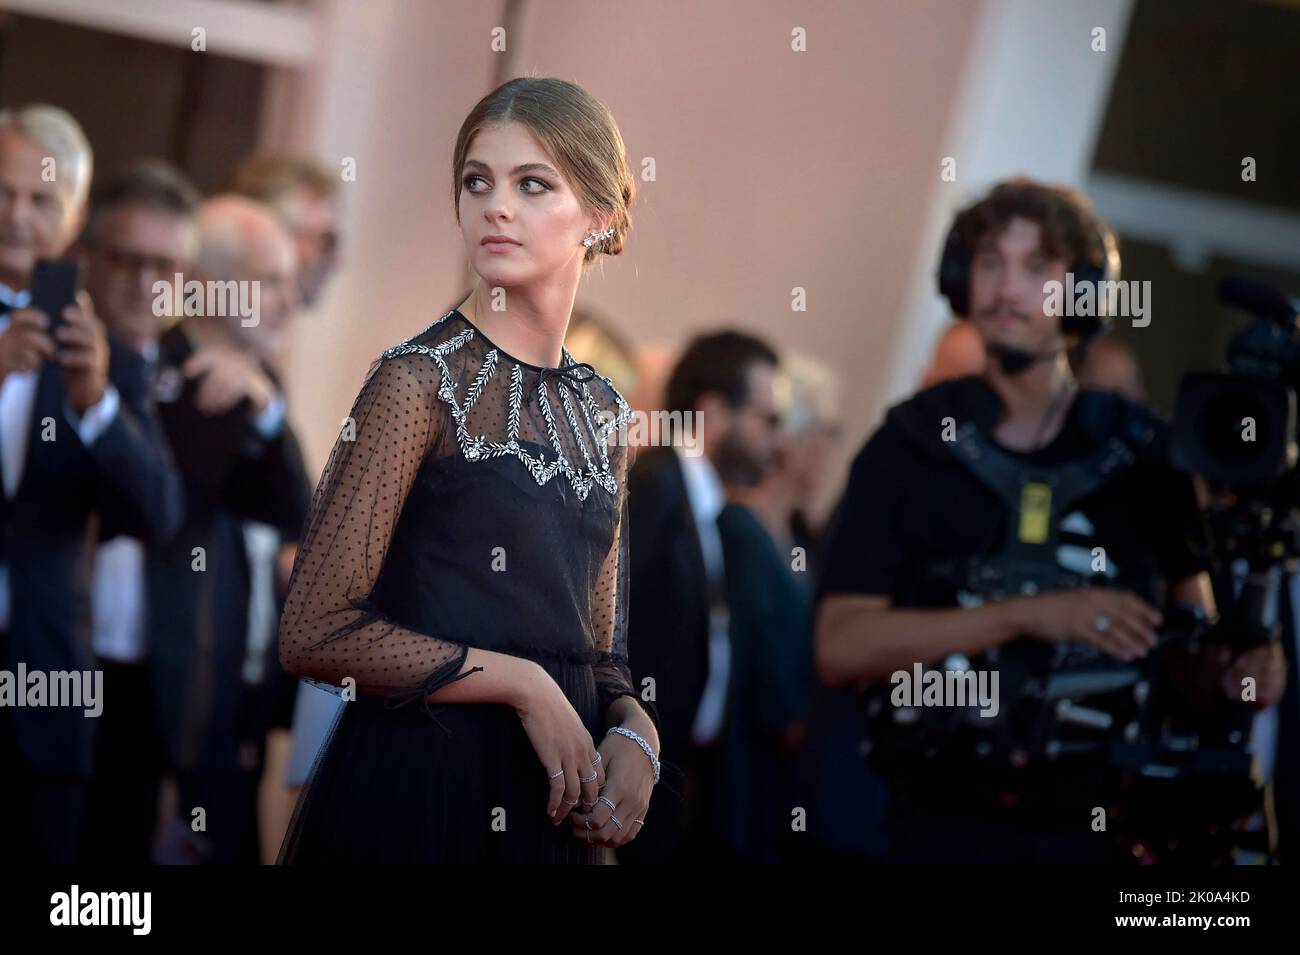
column 154, row 491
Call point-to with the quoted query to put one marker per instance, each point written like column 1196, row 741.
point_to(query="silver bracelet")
column 640, row 741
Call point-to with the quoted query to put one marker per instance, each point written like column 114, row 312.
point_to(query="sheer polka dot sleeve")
column 613, row 676
column 330, row 628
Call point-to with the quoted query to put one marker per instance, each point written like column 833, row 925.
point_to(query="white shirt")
column 118, row 600
column 707, row 498
column 262, row 544
column 118, row 604
column 17, row 400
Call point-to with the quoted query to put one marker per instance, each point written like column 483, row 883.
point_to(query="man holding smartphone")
column 77, row 438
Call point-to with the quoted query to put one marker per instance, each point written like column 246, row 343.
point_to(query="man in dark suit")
column 249, row 492
column 171, row 630
column 723, row 406
column 78, row 438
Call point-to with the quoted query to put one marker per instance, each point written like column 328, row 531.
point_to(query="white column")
column 1031, row 102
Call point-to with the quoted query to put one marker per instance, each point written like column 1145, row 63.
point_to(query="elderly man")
column 214, row 662
column 304, row 196
column 77, row 436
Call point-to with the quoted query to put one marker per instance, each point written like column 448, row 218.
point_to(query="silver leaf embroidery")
column 479, row 448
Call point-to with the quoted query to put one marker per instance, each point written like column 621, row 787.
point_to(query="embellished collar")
column 588, row 419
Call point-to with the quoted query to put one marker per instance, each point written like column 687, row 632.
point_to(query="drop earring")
column 595, row 237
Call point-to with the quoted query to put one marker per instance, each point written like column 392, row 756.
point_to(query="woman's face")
column 511, row 188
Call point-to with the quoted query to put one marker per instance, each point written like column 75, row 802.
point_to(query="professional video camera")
column 1237, row 431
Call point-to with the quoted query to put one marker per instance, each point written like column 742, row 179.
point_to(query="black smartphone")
column 54, row 287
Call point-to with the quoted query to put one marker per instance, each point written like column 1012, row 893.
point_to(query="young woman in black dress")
column 463, row 572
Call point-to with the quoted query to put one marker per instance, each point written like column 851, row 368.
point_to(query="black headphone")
column 954, row 279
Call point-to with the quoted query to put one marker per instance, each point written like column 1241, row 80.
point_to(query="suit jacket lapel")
column 48, row 403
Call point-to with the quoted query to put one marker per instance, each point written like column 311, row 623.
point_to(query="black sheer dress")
column 472, row 500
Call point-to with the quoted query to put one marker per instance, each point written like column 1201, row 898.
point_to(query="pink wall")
column 775, row 169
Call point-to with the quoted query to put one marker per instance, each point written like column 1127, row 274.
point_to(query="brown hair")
column 268, row 178
column 148, row 184
column 577, row 132
column 1069, row 228
column 717, row 363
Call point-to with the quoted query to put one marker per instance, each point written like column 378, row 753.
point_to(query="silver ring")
column 570, row 802
column 1102, row 623
column 556, row 775
column 589, row 804
column 588, row 779
column 640, row 822
column 587, row 820
column 606, row 801
column 614, row 819
column 597, row 759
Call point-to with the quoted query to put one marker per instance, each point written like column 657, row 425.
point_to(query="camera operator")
column 914, row 507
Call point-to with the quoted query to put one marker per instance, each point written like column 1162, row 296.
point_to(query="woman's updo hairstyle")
column 578, row 133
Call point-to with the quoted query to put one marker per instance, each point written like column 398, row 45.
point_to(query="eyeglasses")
column 124, row 260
